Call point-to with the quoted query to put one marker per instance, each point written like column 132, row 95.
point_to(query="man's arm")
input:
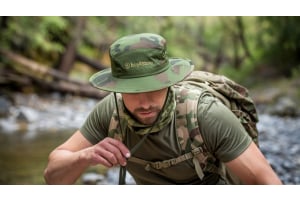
column 252, row 167
column 68, row 161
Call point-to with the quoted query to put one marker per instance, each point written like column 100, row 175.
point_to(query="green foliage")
column 42, row 38
column 279, row 41
column 296, row 72
column 243, row 75
column 233, row 45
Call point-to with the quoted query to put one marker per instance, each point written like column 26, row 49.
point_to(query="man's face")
column 145, row 107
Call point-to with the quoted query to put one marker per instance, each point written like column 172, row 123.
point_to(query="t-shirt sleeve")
column 221, row 130
column 95, row 127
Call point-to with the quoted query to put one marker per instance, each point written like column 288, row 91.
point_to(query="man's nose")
column 144, row 100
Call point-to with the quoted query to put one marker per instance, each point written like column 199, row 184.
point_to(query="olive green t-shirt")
column 222, row 132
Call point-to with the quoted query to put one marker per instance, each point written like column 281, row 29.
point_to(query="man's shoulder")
column 199, row 105
column 107, row 100
column 105, row 106
column 189, row 94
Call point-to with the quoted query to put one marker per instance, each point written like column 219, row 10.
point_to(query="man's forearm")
column 64, row 167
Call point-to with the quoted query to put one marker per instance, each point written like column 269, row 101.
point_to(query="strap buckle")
column 197, row 151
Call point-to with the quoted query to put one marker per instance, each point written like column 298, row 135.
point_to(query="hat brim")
column 177, row 71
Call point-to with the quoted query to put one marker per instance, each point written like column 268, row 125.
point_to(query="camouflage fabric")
column 233, row 95
column 139, row 63
column 187, row 94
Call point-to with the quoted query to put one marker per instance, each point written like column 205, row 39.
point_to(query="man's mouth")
column 146, row 113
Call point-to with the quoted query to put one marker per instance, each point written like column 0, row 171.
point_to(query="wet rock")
column 4, row 107
column 48, row 112
column 279, row 142
column 27, row 114
column 285, row 106
column 9, row 125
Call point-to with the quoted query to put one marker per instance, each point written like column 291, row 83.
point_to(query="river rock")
column 27, row 114
column 4, row 107
column 285, row 106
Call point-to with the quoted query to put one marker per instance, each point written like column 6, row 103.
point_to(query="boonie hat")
column 139, row 63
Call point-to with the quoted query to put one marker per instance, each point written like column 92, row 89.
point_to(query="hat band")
column 141, row 69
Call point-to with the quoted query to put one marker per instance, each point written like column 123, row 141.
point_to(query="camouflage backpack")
column 231, row 94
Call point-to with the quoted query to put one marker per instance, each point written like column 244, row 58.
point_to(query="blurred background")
column 45, row 63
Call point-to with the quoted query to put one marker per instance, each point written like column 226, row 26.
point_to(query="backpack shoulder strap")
column 114, row 129
column 187, row 126
column 188, row 131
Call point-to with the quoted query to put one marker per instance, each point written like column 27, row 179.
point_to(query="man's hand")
column 69, row 160
column 108, row 152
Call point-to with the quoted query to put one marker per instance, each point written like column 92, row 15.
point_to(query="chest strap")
column 174, row 161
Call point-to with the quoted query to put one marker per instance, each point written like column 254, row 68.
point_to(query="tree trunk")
column 241, row 35
column 46, row 77
column 92, row 63
column 68, row 58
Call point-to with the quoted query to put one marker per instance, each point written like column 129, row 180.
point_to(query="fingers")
column 119, row 145
column 110, row 152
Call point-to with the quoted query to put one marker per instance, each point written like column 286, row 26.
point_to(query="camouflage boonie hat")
column 139, row 63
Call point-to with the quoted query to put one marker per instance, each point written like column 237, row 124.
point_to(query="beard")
column 146, row 116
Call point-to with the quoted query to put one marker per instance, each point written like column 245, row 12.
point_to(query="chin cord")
column 122, row 173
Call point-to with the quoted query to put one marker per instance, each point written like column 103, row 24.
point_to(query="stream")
column 35, row 125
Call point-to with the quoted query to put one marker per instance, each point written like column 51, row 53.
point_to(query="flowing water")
column 23, row 157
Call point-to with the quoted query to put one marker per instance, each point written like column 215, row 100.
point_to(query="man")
column 135, row 126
